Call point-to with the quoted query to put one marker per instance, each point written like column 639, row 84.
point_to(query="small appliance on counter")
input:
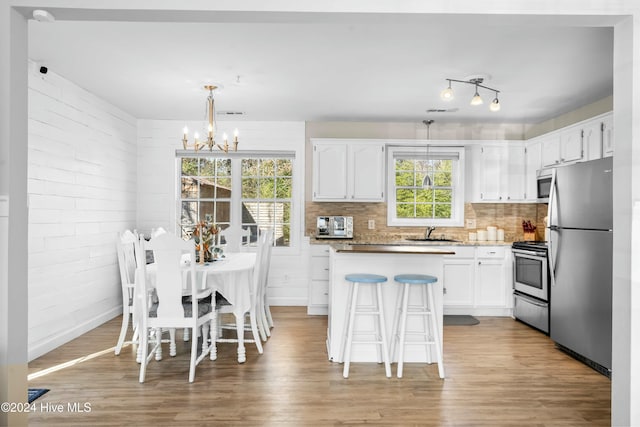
column 334, row 227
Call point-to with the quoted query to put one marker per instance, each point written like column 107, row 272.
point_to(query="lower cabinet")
column 319, row 281
column 476, row 281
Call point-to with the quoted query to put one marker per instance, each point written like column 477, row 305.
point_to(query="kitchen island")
column 386, row 260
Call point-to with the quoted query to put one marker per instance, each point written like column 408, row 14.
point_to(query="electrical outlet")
column 371, row 225
column 471, row 223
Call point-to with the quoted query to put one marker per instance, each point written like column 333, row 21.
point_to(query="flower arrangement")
column 205, row 235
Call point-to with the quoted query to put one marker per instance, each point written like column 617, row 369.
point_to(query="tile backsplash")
column 508, row 216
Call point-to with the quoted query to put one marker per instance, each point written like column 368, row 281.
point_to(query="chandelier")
column 447, row 94
column 210, row 141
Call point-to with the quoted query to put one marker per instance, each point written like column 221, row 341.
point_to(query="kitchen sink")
column 422, row 239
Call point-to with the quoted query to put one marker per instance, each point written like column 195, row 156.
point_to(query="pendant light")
column 427, row 182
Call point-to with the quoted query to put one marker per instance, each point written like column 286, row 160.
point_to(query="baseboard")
column 287, row 301
column 38, row 349
column 317, row 310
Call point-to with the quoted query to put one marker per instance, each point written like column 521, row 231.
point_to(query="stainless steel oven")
column 531, row 284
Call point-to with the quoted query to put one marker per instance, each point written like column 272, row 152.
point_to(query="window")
column 410, row 204
column 209, row 192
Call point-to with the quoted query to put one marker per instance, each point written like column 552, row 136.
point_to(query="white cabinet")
column 491, row 277
column 498, row 172
column 592, row 139
column 533, row 164
column 458, row 273
column 348, row 170
column 319, row 281
column 564, row 146
column 588, row 140
column 476, row 281
column 607, row 135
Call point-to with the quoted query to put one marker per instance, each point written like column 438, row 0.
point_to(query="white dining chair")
column 236, row 238
column 264, row 311
column 170, row 311
column 125, row 248
column 252, row 316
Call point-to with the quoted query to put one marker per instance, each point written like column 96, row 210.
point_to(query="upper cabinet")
column 587, row 140
column 564, row 146
column 498, row 172
column 348, row 170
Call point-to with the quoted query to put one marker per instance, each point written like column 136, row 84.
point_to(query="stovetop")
column 530, row 244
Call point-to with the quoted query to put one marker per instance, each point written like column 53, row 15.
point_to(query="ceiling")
column 387, row 68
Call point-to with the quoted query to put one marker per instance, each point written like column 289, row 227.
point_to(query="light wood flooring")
column 499, row 373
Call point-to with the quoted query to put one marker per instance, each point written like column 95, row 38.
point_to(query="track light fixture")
column 447, row 93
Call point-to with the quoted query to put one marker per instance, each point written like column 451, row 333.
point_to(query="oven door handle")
column 529, row 254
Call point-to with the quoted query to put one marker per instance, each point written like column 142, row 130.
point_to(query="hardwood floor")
column 499, row 373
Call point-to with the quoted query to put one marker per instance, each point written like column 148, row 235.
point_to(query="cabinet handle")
column 492, row 252
column 479, row 262
column 326, row 269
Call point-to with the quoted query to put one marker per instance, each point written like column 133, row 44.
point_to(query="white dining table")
column 231, row 277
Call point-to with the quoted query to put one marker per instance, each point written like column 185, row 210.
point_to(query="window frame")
column 457, row 184
column 236, row 186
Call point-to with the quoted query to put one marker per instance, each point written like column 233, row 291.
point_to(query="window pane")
column 189, row 214
column 405, row 179
column 207, row 211
column 443, row 196
column 283, row 188
column 284, row 167
column 404, row 210
column 284, row 238
column 267, row 189
column 250, row 167
column 442, row 179
column 207, row 188
column 207, row 167
column 223, row 188
column 404, row 195
column 249, row 188
column 286, row 212
column 223, row 167
column 424, row 211
column 443, row 211
column 189, row 167
column 424, row 195
column 267, row 167
column 222, row 213
column 189, row 188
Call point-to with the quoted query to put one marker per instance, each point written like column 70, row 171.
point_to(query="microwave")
column 543, row 184
column 334, row 227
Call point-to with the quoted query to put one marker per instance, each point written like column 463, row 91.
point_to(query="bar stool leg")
column 436, row 334
column 383, row 332
column 352, row 315
column 426, row 320
column 403, row 328
column 396, row 319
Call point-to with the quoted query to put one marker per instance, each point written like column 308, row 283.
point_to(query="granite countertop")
column 390, row 249
column 402, row 242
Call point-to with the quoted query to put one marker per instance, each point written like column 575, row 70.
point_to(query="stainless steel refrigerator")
column 580, row 244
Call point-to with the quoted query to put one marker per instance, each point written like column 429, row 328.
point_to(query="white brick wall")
column 82, row 191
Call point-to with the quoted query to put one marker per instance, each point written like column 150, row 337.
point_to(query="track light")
column 447, row 94
column 476, row 100
column 495, row 104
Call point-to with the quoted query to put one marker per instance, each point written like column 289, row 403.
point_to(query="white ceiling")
column 338, row 68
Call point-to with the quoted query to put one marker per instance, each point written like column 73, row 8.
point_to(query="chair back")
column 171, row 277
column 236, row 238
column 125, row 246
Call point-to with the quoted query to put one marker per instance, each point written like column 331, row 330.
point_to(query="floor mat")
column 460, row 320
column 35, row 393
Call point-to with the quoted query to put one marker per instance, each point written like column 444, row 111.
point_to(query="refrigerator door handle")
column 553, row 227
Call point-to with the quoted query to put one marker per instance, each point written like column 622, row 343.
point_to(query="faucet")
column 427, row 234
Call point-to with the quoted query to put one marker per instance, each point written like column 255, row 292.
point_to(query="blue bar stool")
column 377, row 310
column 426, row 310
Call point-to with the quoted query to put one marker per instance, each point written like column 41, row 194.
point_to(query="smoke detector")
column 41, row 15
